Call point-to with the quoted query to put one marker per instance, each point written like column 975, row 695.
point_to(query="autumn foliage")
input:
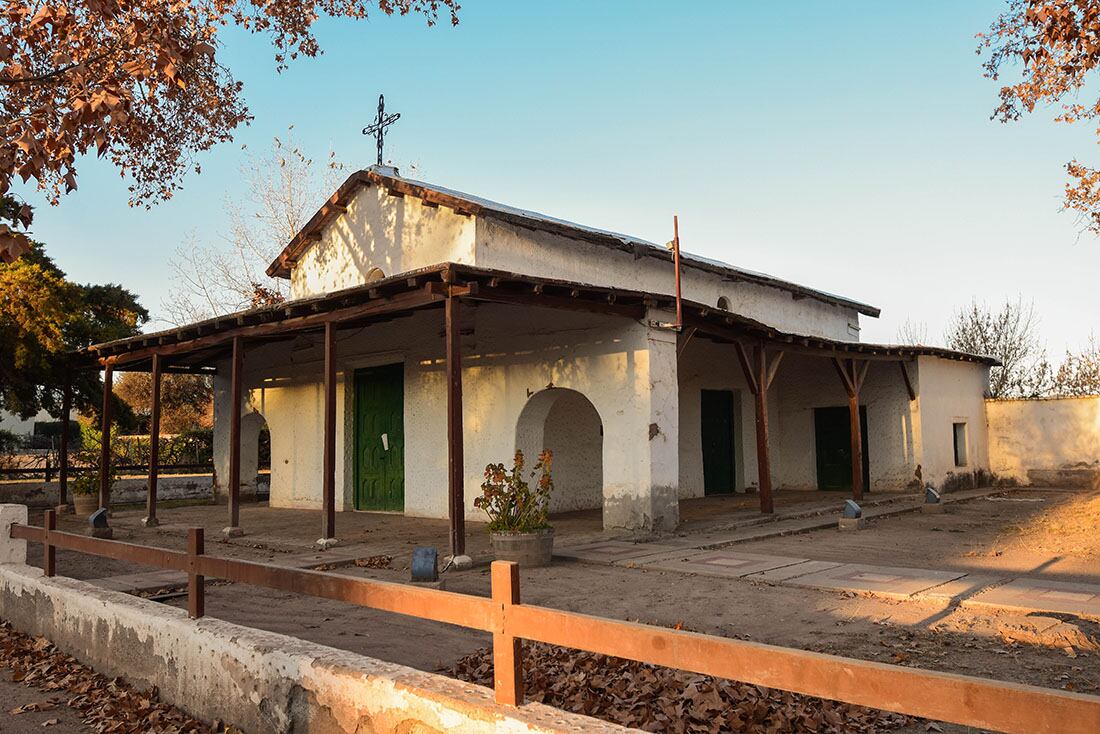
column 1055, row 47
column 139, row 82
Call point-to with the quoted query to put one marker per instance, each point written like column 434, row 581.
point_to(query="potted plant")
column 519, row 514
column 85, row 491
column 85, row 485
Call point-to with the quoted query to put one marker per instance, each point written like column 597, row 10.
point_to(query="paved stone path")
column 713, row 554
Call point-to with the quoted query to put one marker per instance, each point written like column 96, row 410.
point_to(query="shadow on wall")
column 567, row 423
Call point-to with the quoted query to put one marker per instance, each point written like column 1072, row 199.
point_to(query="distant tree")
column 141, row 82
column 1054, row 46
column 1079, row 373
column 283, row 188
column 913, row 332
column 1009, row 334
column 43, row 315
column 187, row 401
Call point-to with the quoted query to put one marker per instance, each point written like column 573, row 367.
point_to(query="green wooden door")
column 833, row 431
column 380, row 438
column 716, row 412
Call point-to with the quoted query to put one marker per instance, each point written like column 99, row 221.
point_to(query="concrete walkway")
column 711, row 553
column 978, row 591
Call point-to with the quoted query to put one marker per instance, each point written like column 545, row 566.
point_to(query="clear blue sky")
column 844, row 145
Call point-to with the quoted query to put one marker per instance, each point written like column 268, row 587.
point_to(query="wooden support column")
column 63, row 446
column 235, row 397
column 105, row 442
column 154, row 445
column 328, row 491
column 759, row 375
column 852, row 373
column 455, row 474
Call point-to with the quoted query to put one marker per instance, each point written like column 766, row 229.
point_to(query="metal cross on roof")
column 378, row 127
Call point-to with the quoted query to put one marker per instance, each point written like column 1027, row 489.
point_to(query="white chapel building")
column 563, row 337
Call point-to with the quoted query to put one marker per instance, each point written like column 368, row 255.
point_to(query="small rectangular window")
column 960, row 444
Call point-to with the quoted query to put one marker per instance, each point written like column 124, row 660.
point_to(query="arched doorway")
column 567, row 423
column 255, row 457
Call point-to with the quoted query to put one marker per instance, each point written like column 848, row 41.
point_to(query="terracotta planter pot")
column 527, row 549
column 85, row 504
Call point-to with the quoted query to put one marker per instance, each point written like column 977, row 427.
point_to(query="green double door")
column 833, row 439
column 380, row 438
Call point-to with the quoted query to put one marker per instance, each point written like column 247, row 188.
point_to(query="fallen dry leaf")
column 106, row 705
column 659, row 699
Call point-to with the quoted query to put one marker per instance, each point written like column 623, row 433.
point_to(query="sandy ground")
column 1048, row 533
column 15, row 695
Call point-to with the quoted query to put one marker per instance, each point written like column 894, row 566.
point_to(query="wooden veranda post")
column 154, row 445
column 328, row 498
column 105, row 439
column 63, row 445
column 455, row 474
column 759, row 375
column 196, row 582
column 235, row 438
column 852, row 373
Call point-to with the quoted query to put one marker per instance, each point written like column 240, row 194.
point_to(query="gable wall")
column 505, row 247
column 396, row 234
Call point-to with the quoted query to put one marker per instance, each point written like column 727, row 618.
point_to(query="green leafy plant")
column 86, row 483
column 511, row 503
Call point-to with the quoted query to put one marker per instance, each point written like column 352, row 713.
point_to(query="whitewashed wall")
column 804, row 383
column 626, row 369
column 951, row 392
column 505, row 247
column 396, row 234
column 1042, row 434
column 705, row 365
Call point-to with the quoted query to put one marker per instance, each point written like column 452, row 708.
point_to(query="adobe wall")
column 1054, row 436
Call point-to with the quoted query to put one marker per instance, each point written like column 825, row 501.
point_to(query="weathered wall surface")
column 395, row 234
column 626, row 369
column 505, row 247
column 1029, row 435
column 125, row 491
column 804, row 383
column 705, row 365
column 951, row 392
column 258, row 681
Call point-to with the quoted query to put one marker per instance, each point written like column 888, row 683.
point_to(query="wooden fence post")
column 196, row 583
column 49, row 553
column 507, row 649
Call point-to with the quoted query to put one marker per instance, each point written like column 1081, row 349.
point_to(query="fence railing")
column 960, row 699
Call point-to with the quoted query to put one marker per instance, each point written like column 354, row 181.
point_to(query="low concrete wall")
column 127, row 490
column 1030, row 440
column 257, row 681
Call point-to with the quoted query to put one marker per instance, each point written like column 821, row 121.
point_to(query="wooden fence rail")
column 966, row 700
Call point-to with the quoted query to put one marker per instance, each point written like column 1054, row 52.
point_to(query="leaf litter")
column 658, row 699
column 107, row 705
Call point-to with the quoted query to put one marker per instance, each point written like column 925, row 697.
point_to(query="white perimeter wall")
column 951, row 392
column 1042, row 434
column 624, row 368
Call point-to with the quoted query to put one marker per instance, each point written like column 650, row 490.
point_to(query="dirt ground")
column 1050, row 533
